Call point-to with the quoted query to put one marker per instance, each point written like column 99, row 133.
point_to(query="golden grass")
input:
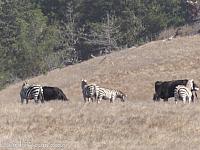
column 138, row 123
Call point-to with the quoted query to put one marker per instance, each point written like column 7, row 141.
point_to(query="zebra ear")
column 24, row 83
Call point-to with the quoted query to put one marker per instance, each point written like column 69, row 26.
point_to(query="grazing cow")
column 52, row 93
column 165, row 89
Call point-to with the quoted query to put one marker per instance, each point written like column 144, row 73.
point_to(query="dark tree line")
column 39, row 35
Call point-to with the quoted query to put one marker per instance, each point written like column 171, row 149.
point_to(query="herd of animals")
column 184, row 90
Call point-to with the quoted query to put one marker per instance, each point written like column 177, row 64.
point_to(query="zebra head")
column 25, row 85
column 83, row 83
column 190, row 84
column 122, row 96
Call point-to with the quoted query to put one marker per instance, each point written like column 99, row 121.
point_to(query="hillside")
column 139, row 123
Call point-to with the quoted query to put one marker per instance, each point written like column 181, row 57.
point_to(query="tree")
column 102, row 38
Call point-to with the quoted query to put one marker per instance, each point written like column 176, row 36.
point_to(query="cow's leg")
column 41, row 98
column 165, row 99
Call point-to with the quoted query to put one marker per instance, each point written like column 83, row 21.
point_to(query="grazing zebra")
column 103, row 93
column 183, row 92
column 31, row 92
column 88, row 90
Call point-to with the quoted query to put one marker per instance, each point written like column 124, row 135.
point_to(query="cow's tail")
column 62, row 96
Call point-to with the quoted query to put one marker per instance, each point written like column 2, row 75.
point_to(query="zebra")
column 110, row 94
column 31, row 92
column 183, row 92
column 88, row 90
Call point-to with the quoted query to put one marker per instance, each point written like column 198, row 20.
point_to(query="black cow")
column 165, row 89
column 51, row 93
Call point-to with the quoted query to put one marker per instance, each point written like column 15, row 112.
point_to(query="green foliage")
column 39, row 35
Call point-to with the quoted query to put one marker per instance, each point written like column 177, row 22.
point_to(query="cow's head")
column 155, row 97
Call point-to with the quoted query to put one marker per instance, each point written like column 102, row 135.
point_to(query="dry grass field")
column 137, row 124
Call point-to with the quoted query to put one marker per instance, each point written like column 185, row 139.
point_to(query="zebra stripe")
column 88, row 90
column 31, row 92
column 110, row 94
column 182, row 92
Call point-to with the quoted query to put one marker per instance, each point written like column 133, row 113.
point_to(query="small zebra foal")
column 31, row 92
column 110, row 94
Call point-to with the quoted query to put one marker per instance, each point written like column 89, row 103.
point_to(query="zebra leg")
column 84, row 99
column 112, row 100
column 22, row 100
column 189, row 100
column 36, row 99
column 176, row 98
column 184, row 100
column 26, row 100
column 92, row 99
column 192, row 98
column 196, row 95
column 98, row 100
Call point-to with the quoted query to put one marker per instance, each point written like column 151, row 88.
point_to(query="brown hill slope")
column 138, row 123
